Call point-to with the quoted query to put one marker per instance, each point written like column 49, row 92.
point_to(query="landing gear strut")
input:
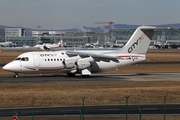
column 16, row 75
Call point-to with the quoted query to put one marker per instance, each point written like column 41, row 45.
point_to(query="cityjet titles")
column 133, row 46
column 48, row 55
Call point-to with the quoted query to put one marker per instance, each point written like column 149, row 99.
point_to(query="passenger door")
column 36, row 60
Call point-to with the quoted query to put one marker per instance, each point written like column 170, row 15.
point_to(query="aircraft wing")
column 95, row 56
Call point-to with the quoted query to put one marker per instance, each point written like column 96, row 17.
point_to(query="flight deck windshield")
column 22, row 59
column 17, row 59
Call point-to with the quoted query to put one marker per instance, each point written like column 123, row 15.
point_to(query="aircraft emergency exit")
column 84, row 62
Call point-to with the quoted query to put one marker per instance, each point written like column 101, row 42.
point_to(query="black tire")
column 16, row 75
column 71, row 74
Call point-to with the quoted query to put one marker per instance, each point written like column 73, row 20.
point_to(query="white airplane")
column 84, row 62
column 117, row 45
column 91, row 45
column 6, row 44
column 48, row 46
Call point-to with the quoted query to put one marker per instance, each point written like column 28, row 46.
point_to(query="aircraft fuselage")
column 52, row 61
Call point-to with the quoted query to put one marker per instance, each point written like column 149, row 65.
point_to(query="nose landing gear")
column 16, row 75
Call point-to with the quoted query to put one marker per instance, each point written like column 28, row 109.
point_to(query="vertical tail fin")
column 60, row 43
column 139, row 41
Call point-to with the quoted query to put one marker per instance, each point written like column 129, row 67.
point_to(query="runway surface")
column 151, row 109
column 39, row 79
column 116, row 110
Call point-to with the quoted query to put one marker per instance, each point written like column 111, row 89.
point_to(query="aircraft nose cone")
column 12, row 66
column 6, row 67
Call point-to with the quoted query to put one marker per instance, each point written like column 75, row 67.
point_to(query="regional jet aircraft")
column 88, row 45
column 7, row 44
column 84, row 62
column 48, row 46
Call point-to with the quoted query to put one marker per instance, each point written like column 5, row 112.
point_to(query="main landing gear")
column 71, row 74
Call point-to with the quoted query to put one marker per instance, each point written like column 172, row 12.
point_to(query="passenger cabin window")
column 55, row 59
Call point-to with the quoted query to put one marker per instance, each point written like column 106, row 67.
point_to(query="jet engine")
column 70, row 62
column 80, row 65
column 84, row 63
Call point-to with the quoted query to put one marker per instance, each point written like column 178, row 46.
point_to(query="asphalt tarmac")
column 39, row 79
column 105, row 110
column 114, row 110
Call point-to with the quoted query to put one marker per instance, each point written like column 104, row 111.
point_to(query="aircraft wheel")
column 71, row 74
column 85, row 76
column 16, row 75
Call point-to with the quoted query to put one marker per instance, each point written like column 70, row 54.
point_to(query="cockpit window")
column 22, row 59
column 25, row 59
column 18, row 58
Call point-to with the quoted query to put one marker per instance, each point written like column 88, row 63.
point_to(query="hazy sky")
column 62, row 14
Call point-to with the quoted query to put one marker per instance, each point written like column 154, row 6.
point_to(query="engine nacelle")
column 70, row 62
column 82, row 64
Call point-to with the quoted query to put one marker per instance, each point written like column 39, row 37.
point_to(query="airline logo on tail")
column 133, row 46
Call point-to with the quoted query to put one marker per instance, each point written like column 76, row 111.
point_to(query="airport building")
column 71, row 39
column 120, row 35
column 14, row 32
column 18, row 36
column 172, row 36
column 2, row 35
